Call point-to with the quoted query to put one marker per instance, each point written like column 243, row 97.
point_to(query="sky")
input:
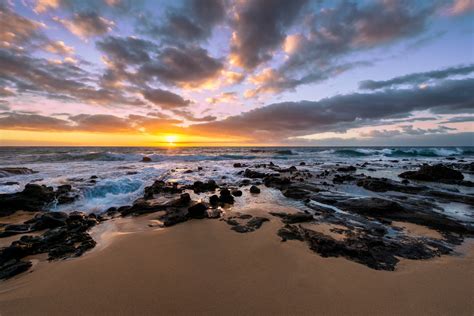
column 236, row 72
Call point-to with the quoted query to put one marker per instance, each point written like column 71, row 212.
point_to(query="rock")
column 248, row 173
column 239, row 165
column 296, row 193
column 15, row 229
column 236, row 193
column 372, row 251
column 302, row 163
column 199, row 186
column 436, row 173
column 293, row 218
column 254, row 189
column 146, row 159
column 214, row 200
column 252, row 224
column 214, row 213
column 10, row 183
column 197, row 210
column 226, row 197
column 384, row 185
column 188, row 171
column 13, row 267
column 48, row 220
column 159, row 187
column 70, row 239
column 347, row 169
column 34, row 197
column 173, row 217
column 12, row 171
column 390, row 210
column 185, row 198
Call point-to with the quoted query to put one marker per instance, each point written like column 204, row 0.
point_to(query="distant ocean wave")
column 403, row 152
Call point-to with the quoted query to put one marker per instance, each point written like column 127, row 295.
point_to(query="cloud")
column 459, row 119
column 59, row 47
column 225, row 97
column 17, row 32
column 342, row 112
column 32, row 122
column 459, row 7
column 259, row 29
column 101, row 123
column 185, row 67
column 192, row 118
column 87, row 24
column 417, row 78
column 25, row 74
column 193, row 22
column 127, row 50
column 165, row 99
column 317, row 52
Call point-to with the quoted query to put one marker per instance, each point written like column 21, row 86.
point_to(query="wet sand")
column 202, row 267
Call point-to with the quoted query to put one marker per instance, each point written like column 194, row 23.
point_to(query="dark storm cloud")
column 127, row 50
column 192, row 22
column 260, row 28
column 417, row 78
column 334, row 33
column 342, row 112
column 165, row 99
column 181, row 66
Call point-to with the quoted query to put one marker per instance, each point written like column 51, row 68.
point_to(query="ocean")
column 114, row 176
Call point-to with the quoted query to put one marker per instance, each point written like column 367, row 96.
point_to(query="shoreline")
column 202, row 267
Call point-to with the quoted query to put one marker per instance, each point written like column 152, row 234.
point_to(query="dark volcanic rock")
column 252, row 224
column 248, row 173
column 384, row 185
column 293, row 218
column 34, row 197
column 347, row 169
column 68, row 240
column 146, row 159
column 373, row 251
column 236, row 193
column 197, row 211
column 13, row 267
column 254, row 189
column 225, row 197
column 174, row 216
column 436, row 173
column 214, row 200
column 199, row 186
column 48, row 220
column 161, row 187
column 390, row 210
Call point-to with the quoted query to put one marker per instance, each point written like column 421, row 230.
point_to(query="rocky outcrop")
column 34, row 197
column 436, row 173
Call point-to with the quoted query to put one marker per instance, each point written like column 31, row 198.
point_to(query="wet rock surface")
column 34, row 197
column 66, row 237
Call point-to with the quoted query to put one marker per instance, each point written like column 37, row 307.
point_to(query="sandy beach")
column 202, row 267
